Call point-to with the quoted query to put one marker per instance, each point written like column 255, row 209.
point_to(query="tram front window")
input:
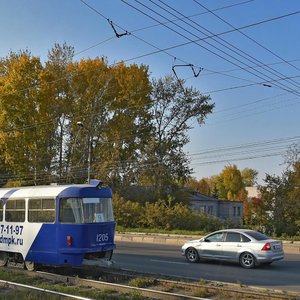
column 86, row 210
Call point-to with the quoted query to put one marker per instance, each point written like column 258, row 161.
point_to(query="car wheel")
column 247, row 260
column 192, row 255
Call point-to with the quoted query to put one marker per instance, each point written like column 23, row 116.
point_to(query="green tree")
column 249, row 176
column 213, row 183
column 273, row 194
column 56, row 93
column 192, row 184
column 254, row 213
column 132, row 131
column 172, row 109
column 230, row 184
column 23, row 140
column 204, row 186
column 281, row 197
column 90, row 86
column 292, row 155
column 124, row 129
column 200, row 186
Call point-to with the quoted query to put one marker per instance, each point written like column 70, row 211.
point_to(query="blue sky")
column 251, row 73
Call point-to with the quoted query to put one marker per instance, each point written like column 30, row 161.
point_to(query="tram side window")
column 1, row 211
column 15, row 210
column 41, row 210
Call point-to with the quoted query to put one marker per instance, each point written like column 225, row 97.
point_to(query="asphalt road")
column 167, row 260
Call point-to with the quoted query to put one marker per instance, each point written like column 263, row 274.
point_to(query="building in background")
column 223, row 209
column 252, row 192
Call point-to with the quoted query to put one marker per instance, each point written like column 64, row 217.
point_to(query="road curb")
column 289, row 246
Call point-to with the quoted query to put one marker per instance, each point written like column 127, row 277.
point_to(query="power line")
column 268, row 105
column 247, row 36
column 91, row 115
column 194, row 15
column 248, row 151
column 95, row 45
column 163, row 50
column 236, row 49
column 213, row 52
column 210, row 162
column 250, row 103
column 269, row 109
column 263, row 83
column 158, row 49
column 87, row 71
column 237, row 69
column 255, row 144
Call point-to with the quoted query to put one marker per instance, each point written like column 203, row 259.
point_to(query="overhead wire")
column 159, row 50
column 233, row 153
column 237, row 69
column 236, row 50
column 165, row 50
column 263, row 83
column 206, row 92
column 253, row 70
column 262, row 105
column 242, row 114
column 194, row 15
column 267, row 148
column 247, row 36
column 255, row 112
column 250, row 103
column 276, row 141
column 205, row 163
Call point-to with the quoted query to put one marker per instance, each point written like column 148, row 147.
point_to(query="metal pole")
column 80, row 124
column 89, row 160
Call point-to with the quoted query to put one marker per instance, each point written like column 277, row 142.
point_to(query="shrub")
column 127, row 213
column 142, row 282
column 163, row 215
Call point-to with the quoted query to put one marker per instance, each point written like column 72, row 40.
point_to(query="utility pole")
column 89, row 159
column 80, row 124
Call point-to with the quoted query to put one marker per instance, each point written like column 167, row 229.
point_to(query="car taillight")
column 266, row 247
column 69, row 241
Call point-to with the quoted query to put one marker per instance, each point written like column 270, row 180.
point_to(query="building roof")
column 202, row 197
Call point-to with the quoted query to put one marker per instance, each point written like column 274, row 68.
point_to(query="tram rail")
column 161, row 288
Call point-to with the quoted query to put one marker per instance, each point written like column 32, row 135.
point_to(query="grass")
column 13, row 294
column 142, row 282
column 201, row 292
column 7, row 292
column 121, row 229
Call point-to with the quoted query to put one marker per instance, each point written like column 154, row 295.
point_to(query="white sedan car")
column 247, row 247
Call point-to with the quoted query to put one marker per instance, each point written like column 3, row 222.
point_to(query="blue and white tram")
column 56, row 225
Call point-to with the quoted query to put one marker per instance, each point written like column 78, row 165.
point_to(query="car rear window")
column 257, row 235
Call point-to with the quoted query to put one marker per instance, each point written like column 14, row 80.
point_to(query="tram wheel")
column 3, row 258
column 29, row 265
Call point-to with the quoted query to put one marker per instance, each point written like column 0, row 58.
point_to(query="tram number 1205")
column 102, row 237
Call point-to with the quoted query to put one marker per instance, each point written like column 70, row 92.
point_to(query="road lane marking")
column 168, row 261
